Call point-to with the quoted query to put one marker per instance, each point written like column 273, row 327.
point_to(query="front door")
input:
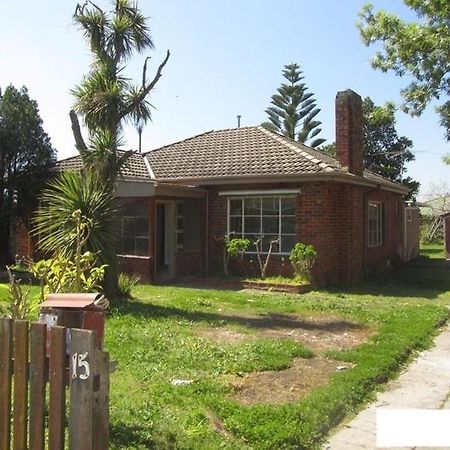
column 165, row 240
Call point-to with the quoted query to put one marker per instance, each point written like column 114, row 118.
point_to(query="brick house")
column 180, row 200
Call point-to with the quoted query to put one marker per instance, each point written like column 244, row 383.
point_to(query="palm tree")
column 76, row 210
column 105, row 98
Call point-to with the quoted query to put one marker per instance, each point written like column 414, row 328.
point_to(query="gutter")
column 330, row 176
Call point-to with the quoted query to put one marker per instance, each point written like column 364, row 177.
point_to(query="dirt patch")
column 285, row 386
column 318, row 333
column 225, row 335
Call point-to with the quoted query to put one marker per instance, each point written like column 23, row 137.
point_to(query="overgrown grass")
column 156, row 338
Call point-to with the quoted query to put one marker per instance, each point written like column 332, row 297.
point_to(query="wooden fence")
column 36, row 367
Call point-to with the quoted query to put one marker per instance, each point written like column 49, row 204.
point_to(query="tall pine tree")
column 293, row 112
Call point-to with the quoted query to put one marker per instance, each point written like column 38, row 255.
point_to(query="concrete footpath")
column 425, row 384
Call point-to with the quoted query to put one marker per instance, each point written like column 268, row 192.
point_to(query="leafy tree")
column 385, row 152
column 294, row 110
column 25, row 153
column 418, row 49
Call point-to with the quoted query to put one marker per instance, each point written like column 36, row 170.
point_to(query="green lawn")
column 432, row 250
column 156, row 338
column 168, row 333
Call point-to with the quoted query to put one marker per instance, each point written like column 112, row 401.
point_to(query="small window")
column 134, row 236
column 375, row 224
column 134, row 227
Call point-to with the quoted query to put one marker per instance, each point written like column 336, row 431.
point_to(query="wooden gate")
column 35, row 371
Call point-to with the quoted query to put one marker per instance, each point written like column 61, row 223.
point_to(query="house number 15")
column 80, row 367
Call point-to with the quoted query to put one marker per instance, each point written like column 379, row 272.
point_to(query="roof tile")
column 237, row 152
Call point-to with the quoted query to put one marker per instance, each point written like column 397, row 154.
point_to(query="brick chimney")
column 349, row 133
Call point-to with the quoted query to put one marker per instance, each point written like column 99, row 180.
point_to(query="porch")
column 162, row 231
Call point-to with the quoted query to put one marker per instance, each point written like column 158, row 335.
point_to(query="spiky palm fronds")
column 71, row 195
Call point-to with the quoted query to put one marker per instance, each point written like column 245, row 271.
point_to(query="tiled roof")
column 134, row 168
column 232, row 153
column 238, row 152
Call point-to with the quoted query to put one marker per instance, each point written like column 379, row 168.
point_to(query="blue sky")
column 227, row 58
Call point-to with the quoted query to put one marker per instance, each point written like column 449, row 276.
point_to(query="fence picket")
column 27, row 362
column 37, row 385
column 57, row 390
column 82, row 362
column 101, row 402
column 20, row 384
column 5, row 382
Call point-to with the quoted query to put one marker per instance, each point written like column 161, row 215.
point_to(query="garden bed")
column 267, row 285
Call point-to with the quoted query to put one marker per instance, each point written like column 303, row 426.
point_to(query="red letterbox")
column 75, row 311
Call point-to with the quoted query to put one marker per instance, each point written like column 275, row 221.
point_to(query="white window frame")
column 375, row 234
column 280, row 216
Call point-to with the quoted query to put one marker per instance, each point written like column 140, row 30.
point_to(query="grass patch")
column 156, row 339
column 434, row 251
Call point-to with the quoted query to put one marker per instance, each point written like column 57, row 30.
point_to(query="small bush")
column 302, row 258
column 126, row 284
column 234, row 248
column 22, row 305
column 61, row 274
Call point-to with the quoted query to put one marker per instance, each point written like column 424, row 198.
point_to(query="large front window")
column 265, row 218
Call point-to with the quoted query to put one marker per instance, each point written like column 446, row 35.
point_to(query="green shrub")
column 126, row 284
column 21, row 305
column 234, row 248
column 61, row 274
column 302, row 258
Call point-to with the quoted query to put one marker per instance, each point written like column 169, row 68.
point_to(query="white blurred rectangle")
column 413, row 428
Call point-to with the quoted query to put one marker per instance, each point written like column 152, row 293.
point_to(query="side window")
column 134, row 228
column 374, row 224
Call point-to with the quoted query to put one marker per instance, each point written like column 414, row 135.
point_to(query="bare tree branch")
column 145, row 89
column 76, row 130
column 144, row 72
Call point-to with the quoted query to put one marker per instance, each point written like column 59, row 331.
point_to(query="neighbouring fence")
column 51, row 378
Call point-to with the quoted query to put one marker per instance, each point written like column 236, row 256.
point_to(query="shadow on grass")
column 129, row 436
column 266, row 321
column 422, row 278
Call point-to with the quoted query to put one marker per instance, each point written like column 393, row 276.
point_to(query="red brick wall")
column 24, row 244
column 349, row 131
column 330, row 216
column 389, row 252
column 137, row 265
